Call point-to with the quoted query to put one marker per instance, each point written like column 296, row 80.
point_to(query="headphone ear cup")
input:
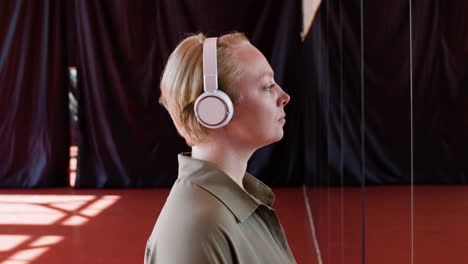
column 214, row 109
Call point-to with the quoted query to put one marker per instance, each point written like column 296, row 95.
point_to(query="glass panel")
column 440, row 55
column 388, row 142
column 333, row 71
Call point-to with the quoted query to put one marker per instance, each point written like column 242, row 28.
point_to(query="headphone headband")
column 210, row 65
column 213, row 108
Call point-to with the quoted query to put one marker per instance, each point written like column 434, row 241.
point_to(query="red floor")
column 70, row 226
column 440, row 230
column 111, row 226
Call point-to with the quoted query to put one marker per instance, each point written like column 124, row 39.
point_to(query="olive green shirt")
column 209, row 218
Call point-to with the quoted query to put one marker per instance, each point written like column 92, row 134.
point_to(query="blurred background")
column 372, row 168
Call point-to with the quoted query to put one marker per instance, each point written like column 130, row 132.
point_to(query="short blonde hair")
column 182, row 81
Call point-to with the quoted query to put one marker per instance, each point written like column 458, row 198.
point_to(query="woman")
column 216, row 212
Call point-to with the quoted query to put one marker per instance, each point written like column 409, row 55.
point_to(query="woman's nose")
column 284, row 98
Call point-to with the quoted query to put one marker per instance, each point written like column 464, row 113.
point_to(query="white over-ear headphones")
column 213, row 108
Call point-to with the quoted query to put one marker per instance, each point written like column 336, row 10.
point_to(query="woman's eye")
column 269, row 87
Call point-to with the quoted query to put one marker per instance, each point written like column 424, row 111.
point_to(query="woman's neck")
column 229, row 159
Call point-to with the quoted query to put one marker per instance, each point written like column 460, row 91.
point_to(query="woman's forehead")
column 254, row 63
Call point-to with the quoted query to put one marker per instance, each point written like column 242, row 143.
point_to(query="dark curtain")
column 127, row 139
column 342, row 105
column 34, row 134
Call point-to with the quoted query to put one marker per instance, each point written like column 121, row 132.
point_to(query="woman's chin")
column 275, row 139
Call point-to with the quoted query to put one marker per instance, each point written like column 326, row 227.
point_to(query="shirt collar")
column 212, row 179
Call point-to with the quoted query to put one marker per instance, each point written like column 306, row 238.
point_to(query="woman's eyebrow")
column 267, row 73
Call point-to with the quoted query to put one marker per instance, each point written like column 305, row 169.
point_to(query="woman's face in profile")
column 259, row 116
